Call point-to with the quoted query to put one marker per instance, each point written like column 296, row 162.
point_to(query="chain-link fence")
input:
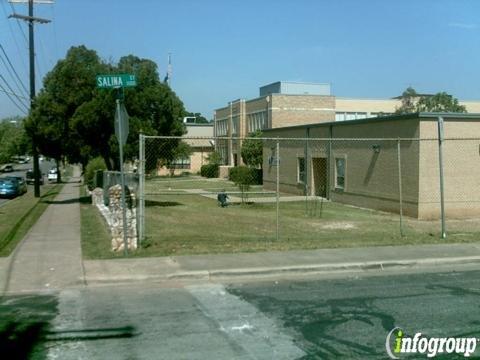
column 246, row 194
column 112, row 178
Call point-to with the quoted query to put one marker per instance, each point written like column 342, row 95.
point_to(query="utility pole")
column 30, row 19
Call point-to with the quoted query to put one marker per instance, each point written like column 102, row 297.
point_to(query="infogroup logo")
column 398, row 343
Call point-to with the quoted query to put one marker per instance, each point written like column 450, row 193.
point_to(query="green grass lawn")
column 95, row 235
column 20, row 214
column 184, row 223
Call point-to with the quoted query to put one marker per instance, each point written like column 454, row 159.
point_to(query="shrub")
column 252, row 176
column 95, row 164
column 214, row 158
column 244, row 177
column 209, row 171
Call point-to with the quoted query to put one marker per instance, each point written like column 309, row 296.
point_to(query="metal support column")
column 440, row 159
column 400, row 195
column 277, row 161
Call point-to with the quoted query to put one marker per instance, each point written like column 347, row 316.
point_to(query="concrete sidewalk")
column 309, row 262
column 49, row 257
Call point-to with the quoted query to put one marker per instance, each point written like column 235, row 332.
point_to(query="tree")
column 74, row 119
column 199, row 118
column 252, row 150
column 13, row 140
column 181, row 152
column 70, row 84
column 408, row 101
column 440, row 102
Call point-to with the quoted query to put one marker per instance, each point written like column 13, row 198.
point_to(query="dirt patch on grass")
column 340, row 225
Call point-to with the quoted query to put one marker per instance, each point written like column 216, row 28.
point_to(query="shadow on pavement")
column 91, row 334
column 81, row 200
column 24, row 321
column 26, row 327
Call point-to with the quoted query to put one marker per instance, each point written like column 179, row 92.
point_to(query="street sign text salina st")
column 116, row 81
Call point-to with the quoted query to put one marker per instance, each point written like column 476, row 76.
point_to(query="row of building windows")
column 257, row 121
column 183, row 163
column 343, row 115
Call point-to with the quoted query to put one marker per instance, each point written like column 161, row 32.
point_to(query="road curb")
column 296, row 270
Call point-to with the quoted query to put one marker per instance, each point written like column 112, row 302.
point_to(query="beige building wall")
column 291, row 110
column 371, row 177
column 368, row 106
column 461, row 160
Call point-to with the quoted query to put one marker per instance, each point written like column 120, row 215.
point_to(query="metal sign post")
column 119, row 81
column 120, row 123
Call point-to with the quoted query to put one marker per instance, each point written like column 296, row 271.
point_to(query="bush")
column 209, row 171
column 89, row 177
column 244, row 177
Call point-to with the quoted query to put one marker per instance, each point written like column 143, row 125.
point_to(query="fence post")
column 141, row 192
column 440, row 159
column 278, row 190
column 400, row 196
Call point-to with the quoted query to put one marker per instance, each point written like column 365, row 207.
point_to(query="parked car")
column 6, row 168
column 21, row 181
column 31, row 179
column 10, row 187
column 52, row 175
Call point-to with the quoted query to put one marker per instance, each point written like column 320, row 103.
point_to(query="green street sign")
column 116, row 81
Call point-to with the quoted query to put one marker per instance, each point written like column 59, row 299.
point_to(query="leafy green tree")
column 243, row 177
column 74, row 119
column 408, row 98
column 13, row 140
column 214, row 158
column 440, row 102
column 199, row 118
column 70, row 84
column 182, row 151
column 252, row 150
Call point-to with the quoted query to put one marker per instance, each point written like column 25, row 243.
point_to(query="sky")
column 224, row 50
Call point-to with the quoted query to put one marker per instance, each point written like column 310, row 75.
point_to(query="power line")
column 19, row 25
column 54, row 31
column 17, row 95
column 11, row 99
column 13, row 92
column 13, row 68
column 14, row 39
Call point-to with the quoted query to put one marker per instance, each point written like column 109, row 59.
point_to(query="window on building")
column 235, row 123
column 340, row 116
column 301, row 171
column 340, row 173
column 183, row 163
column 361, row 115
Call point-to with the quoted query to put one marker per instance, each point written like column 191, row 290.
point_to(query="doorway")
column 319, row 177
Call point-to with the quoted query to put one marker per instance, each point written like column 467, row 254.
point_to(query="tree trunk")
column 59, row 173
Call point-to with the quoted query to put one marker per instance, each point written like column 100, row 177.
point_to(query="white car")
column 52, row 175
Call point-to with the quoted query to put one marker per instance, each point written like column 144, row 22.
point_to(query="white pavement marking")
column 257, row 334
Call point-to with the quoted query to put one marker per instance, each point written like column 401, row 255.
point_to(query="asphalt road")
column 344, row 318
column 21, row 169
